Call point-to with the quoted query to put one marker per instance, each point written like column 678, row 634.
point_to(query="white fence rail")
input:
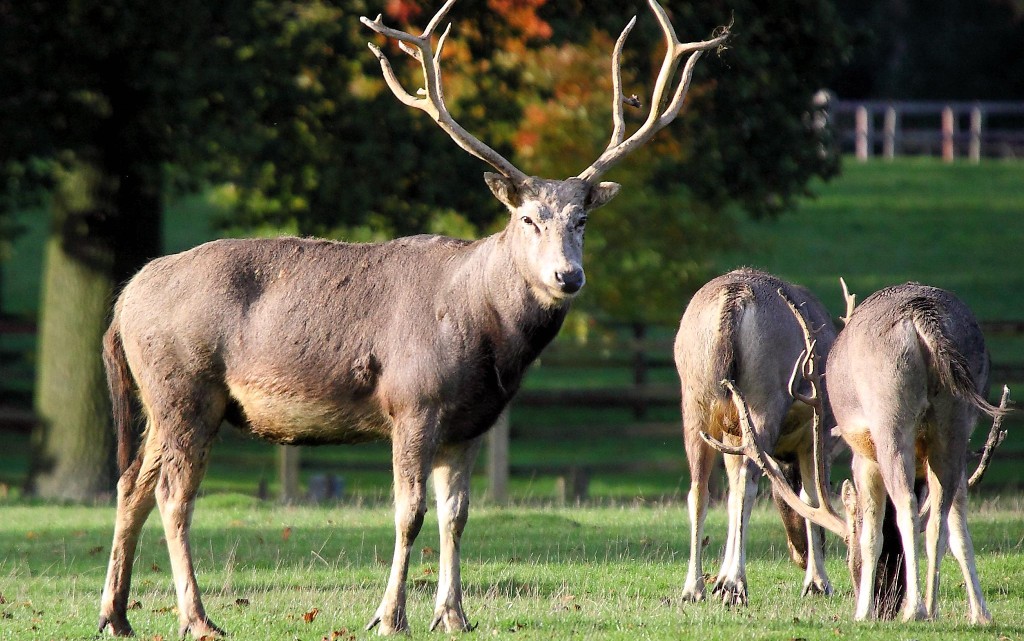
column 972, row 130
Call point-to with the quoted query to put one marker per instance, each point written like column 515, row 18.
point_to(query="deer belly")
column 282, row 416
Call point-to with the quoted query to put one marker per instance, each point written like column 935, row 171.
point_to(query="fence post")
column 889, row 133
column 288, row 468
column 974, row 149
column 948, row 127
column 497, row 459
column 862, row 139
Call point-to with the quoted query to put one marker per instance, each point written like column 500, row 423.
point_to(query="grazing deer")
column 905, row 381
column 421, row 340
column 737, row 327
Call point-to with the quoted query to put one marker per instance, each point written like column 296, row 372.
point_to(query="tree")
column 112, row 105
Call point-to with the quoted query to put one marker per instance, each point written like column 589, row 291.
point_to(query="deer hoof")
column 693, row 593
column 453, row 619
column 732, row 591
column 115, row 625
column 200, row 629
column 817, row 586
column 915, row 612
column 390, row 623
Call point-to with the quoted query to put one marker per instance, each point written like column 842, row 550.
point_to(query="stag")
column 736, row 327
column 906, row 379
column 421, row 340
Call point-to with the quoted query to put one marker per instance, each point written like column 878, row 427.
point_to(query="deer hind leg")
column 412, row 454
column 896, row 465
column 815, row 578
column 135, row 501
column 963, row 550
column 732, row 577
column 186, row 432
column 945, row 472
column 871, row 499
column 701, row 460
column 452, row 469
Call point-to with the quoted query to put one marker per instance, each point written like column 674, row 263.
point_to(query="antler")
column 996, row 435
column 824, row 514
column 658, row 117
column 851, row 301
column 420, row 48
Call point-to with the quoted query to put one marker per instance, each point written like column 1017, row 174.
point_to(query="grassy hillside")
column 959, row 226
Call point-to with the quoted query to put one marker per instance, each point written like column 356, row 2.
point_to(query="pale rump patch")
column 859, row 440
column 282, row 417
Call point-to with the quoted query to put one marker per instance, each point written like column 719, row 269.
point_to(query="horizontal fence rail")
column 950, row 129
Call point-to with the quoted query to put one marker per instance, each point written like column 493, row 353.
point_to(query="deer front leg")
column 412, row 453
column 452, row 469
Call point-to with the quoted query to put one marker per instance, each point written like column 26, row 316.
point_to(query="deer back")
column 738, row 327
column 321, row 341
column 904, row 349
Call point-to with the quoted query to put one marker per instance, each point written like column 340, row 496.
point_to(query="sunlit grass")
column 531, row 572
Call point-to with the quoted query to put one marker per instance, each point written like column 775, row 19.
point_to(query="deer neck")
column 501, row 302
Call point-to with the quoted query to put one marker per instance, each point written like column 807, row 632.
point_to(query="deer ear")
column 601, row 193
column 503, row 189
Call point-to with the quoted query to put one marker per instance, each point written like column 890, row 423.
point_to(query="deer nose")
column 570, row 280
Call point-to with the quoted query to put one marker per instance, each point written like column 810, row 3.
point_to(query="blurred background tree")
column 278, row 110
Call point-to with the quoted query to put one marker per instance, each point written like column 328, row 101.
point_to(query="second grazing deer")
column 737, row 327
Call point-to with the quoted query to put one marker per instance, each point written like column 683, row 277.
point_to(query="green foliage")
column 281, row 102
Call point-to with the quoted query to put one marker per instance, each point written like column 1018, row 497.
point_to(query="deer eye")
column 581, row 223
column 528, row 221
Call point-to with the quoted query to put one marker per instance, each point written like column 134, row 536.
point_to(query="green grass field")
column 612, row 572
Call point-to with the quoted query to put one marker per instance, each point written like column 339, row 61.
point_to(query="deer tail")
column 119, row 382
column 947, row 361
column 734, row 297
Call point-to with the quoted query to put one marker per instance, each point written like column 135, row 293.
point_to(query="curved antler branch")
column 996, row 435
column 432, row 102
column 659, row 115
column 824, row 515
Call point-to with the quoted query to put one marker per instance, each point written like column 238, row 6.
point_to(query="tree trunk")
column 106, row 225
column 72, row 446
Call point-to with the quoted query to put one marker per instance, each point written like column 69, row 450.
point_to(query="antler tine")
column 851, row 301
column 807, row 364
column 432, row 102
column 996, row 435
column 618, row 98
column 658, row 117
column 823, row 515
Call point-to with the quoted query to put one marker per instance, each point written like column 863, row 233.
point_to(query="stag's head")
column 548, row 216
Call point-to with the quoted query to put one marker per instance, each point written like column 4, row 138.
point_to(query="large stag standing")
column 421, row 340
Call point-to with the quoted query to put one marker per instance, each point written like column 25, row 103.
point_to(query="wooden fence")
column 972, row 130
column 633, row 350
